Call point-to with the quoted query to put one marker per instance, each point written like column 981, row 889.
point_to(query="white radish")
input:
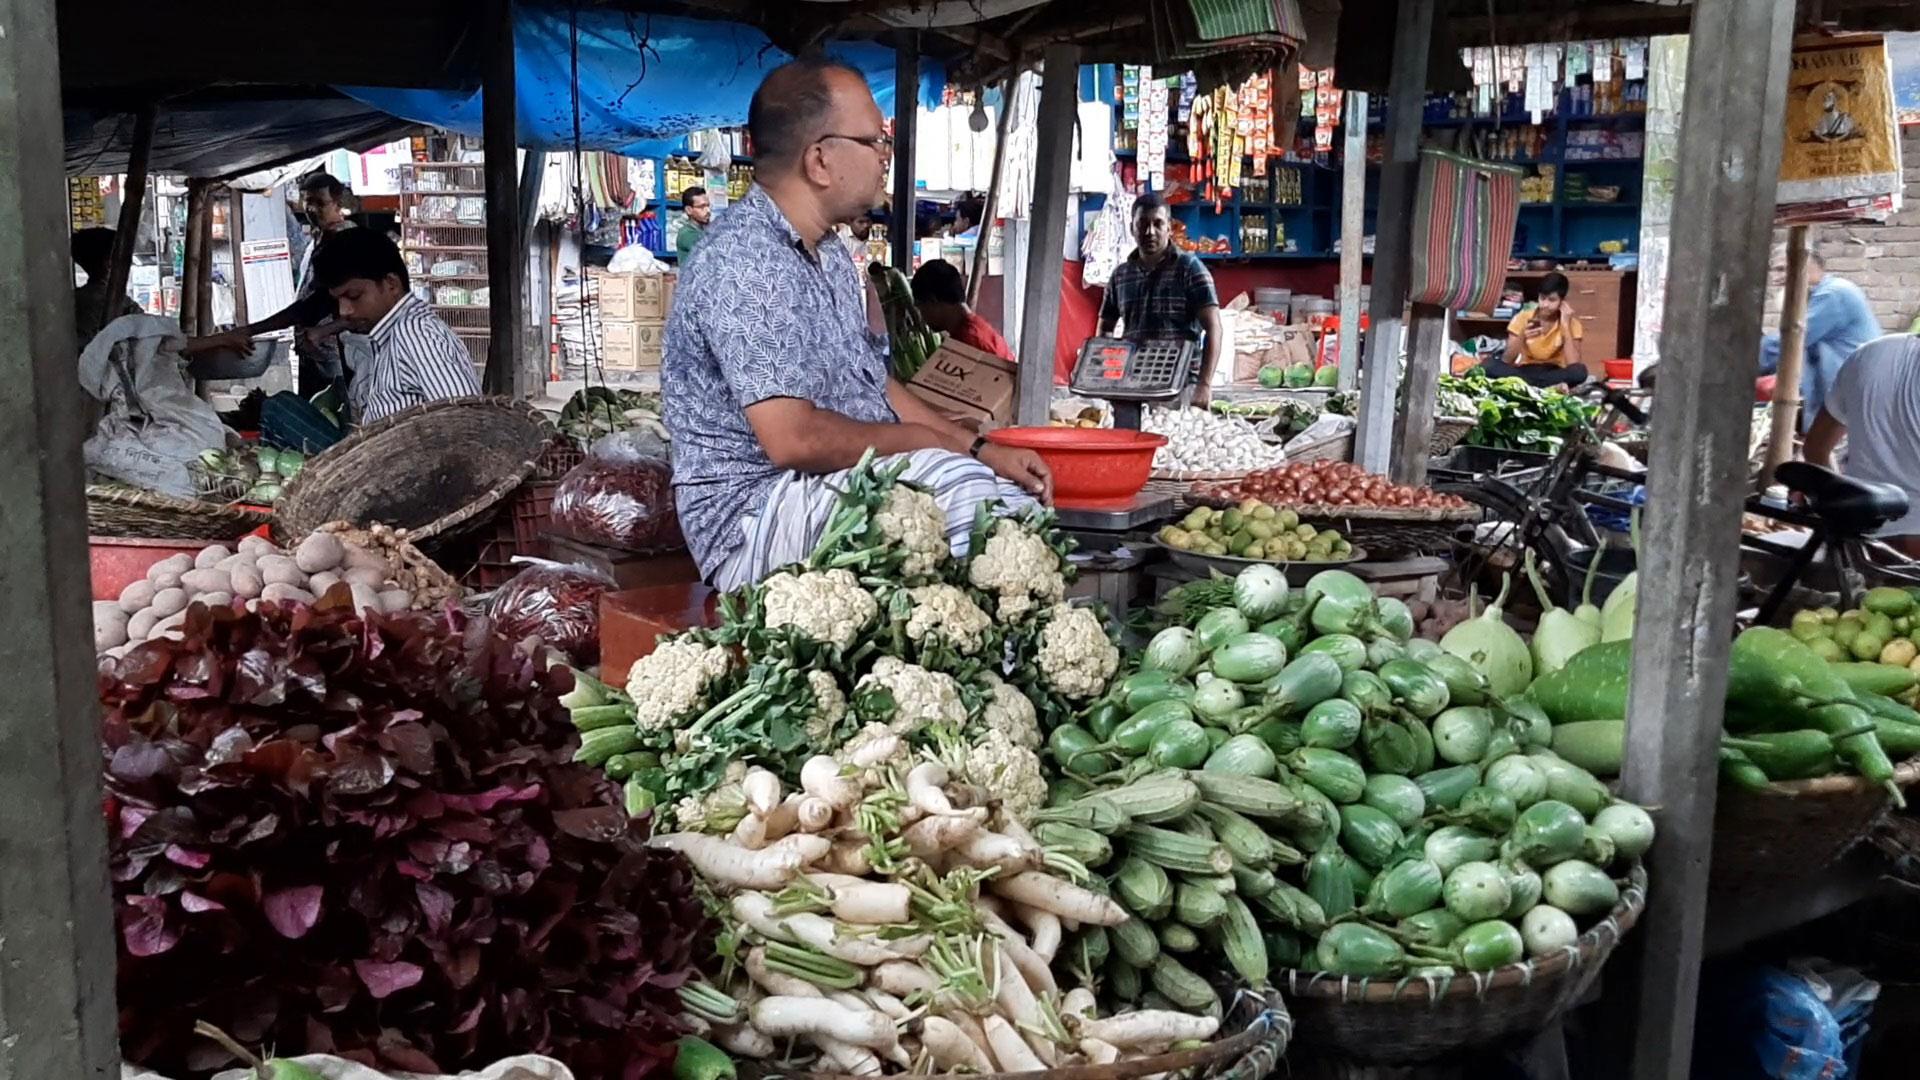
column 814, row 814
column 933, row 836
column 804, row 928
column 751, row 833
column 1011, row 991
column 813, row 1017
column 774, row 982
column 870, row 903
column 849, row 1059
column 891, row 1050
column 1098, row 1052
column 902, row 978
column 988, row 850
column 1043, row 928
column 808, row 847
column 696, row 1024
column 744, row 1040
column 925, row 788
column 1078, row 1001
column 951, row 1049
column 848, row 855
column 878, row 752
column 1009, row 1049
column 137, row 596
column 762, row 790
column 822, row 778
column 732, row 865
column 888, row 1004
column 1148, row 1026
column 1031, row 965
column 1062, row 898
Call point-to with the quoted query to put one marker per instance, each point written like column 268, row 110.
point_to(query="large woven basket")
column 1391, row 531
column 1412, row 1020
column 433, row 470
column 1262, row 1025
column 113, row 510
column 1448, row 431
column 1332, row 448
column 1761, row 841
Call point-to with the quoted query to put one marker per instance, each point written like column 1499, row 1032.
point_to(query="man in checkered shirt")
column 1160, row 292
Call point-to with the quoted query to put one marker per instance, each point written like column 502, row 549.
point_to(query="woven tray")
column 1333, row 448
column 1413, row 1020
column 1448, row 431
column 1264, row 1028
column 433, row 470
column 113, row 510
column 1763, row 840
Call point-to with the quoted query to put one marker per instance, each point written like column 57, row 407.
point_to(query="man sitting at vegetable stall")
column 774, row 371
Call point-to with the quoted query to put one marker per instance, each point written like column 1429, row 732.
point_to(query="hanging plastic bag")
column 557, row 602
column 621, row 496
column 1110, row 238
column 154, row 425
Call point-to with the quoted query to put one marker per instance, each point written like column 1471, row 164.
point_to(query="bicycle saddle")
column 1846, row 505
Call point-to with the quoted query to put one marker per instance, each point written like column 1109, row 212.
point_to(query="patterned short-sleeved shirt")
column 756, row 317
column 1162, row 300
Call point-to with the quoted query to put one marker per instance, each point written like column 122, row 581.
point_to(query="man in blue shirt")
column 774, row 374
column 1839, row 321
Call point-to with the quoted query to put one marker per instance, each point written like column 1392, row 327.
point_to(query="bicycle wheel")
column 1500, row 537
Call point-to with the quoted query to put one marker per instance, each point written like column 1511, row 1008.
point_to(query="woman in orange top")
column 1543, row 341
column 940, row 292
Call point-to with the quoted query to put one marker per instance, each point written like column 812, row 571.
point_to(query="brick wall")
column 1884, row 260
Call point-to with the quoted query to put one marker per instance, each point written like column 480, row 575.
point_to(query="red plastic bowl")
column 1620, row 370
column 1091, row 466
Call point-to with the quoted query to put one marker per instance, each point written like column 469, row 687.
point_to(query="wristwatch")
column 979, row 441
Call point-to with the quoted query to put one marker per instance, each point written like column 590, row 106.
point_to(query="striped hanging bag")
column 1465, row 212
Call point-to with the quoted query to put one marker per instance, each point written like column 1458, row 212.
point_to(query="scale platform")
column 1113, row 515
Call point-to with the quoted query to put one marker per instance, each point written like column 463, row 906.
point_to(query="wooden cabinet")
column 1603, row 302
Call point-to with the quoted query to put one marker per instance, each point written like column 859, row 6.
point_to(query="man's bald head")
column 796, row 104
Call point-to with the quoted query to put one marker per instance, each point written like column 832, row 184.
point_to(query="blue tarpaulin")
column 644, row 81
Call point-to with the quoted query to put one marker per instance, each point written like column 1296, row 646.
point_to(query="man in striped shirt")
column 412, row 356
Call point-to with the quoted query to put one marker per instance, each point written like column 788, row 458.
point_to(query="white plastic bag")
column 1328, row 426
column 154, row 424
column 634, row 259
column 523, row 1067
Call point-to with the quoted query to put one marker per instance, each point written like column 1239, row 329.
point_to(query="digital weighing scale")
column 1127, row 375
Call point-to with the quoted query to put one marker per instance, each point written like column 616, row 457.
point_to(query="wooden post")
column 133, row 195
column 906, row 114
column 56, row 985
column 1392, row 237
column 506, row 255
column 1047, row 237
column 1353, row 230
column 195, row 257
column 978, row 275
column 204, row 313
column 1793, row 354
column 236, row 236
column 1729, row 163
column 532, row 375
column 1426, row 355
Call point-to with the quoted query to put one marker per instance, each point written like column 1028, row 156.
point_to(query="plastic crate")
column 519, row 530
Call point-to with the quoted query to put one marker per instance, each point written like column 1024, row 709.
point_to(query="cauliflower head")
column 1010, row 712
column 911, row 519
column 1017, row 566
column 1076, row 657
column 944, row 611
column 920, row 697
column 828, row 606
column 674, row 680
column 1009, row 771
column 829, row 707
column 718, row 810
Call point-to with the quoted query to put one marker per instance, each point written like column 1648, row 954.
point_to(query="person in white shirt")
column 1874, row 405
column 415, row 357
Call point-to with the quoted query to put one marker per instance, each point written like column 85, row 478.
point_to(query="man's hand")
column 234, row 340
column 1566, row 311
column 1023, row 467
column 1202, row 396
column 1535, row 329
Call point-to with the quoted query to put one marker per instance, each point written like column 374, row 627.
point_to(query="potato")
column 278, row 590
column 395, row 600
column 280, row 570
column 168, row 580
column 169, row 627
column 357, row 557
column 232, row 561
column 136, row 596
column 109, row 625
column 368, row 576
column 365, row 599
column 246, row 580
column 215, row 599
column 118, row 651
column 323, row 582
column 173, row 564
column 168, row 602
column 206, row 581
column 140, row 626
column 210, row 556
column 321, row 551
column 257, row 546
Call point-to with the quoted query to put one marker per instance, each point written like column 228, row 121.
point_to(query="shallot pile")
column 1330, row 483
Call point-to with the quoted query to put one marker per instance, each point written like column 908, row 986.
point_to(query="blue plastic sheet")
column 644, row 81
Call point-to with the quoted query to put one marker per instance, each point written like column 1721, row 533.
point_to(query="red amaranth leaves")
column 367, row 838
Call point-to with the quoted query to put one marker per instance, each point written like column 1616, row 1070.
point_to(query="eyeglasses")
column 879, row 144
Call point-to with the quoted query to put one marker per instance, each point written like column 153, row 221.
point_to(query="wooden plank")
column 1793, row 341
column 57, row 1015
column 1047, row 237
column 506, row 254
column 906, row 114
column 1392, row 236
column 133, row 196
column 1353, row 229
column 1722, row 224
column 237, row 235
column 1426, row 356
column 977, row 276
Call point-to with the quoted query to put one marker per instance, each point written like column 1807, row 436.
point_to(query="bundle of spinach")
column 1517, row 416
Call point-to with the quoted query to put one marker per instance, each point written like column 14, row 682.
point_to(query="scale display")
column 1152, row 370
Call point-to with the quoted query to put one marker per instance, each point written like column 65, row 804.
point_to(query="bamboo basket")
column 1250, row 1053
column 1448, row 431
column 117, row 511
column 1413, row 1020
column 1761, row 841
column 1333, row 448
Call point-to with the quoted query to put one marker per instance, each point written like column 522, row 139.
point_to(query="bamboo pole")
column 977, row 277
column 194, row 257
column 1793, row 352
column 133, row 196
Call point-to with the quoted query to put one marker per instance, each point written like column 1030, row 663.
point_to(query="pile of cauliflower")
column 882, row 634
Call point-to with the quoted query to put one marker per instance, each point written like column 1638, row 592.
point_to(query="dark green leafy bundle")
column 1516, row 416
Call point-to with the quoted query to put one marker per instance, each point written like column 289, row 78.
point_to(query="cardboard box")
column 633, row 297
column 968, row 386
column 1289, row 345
column 633, row 345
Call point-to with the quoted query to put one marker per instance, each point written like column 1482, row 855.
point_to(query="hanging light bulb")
column 978, row 121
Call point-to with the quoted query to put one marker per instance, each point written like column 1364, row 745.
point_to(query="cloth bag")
column 154, row 424
column 1464, row 214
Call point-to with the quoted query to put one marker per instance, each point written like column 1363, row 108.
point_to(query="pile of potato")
column 218, row 575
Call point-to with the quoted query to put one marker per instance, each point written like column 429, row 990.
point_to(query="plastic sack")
column 635, row 259
column 558, row 603
column 154, row 424
column 1328, row 426
column 521, row 1067
column 621, row 496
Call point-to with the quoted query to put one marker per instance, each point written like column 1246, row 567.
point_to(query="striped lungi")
column 795, row 516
